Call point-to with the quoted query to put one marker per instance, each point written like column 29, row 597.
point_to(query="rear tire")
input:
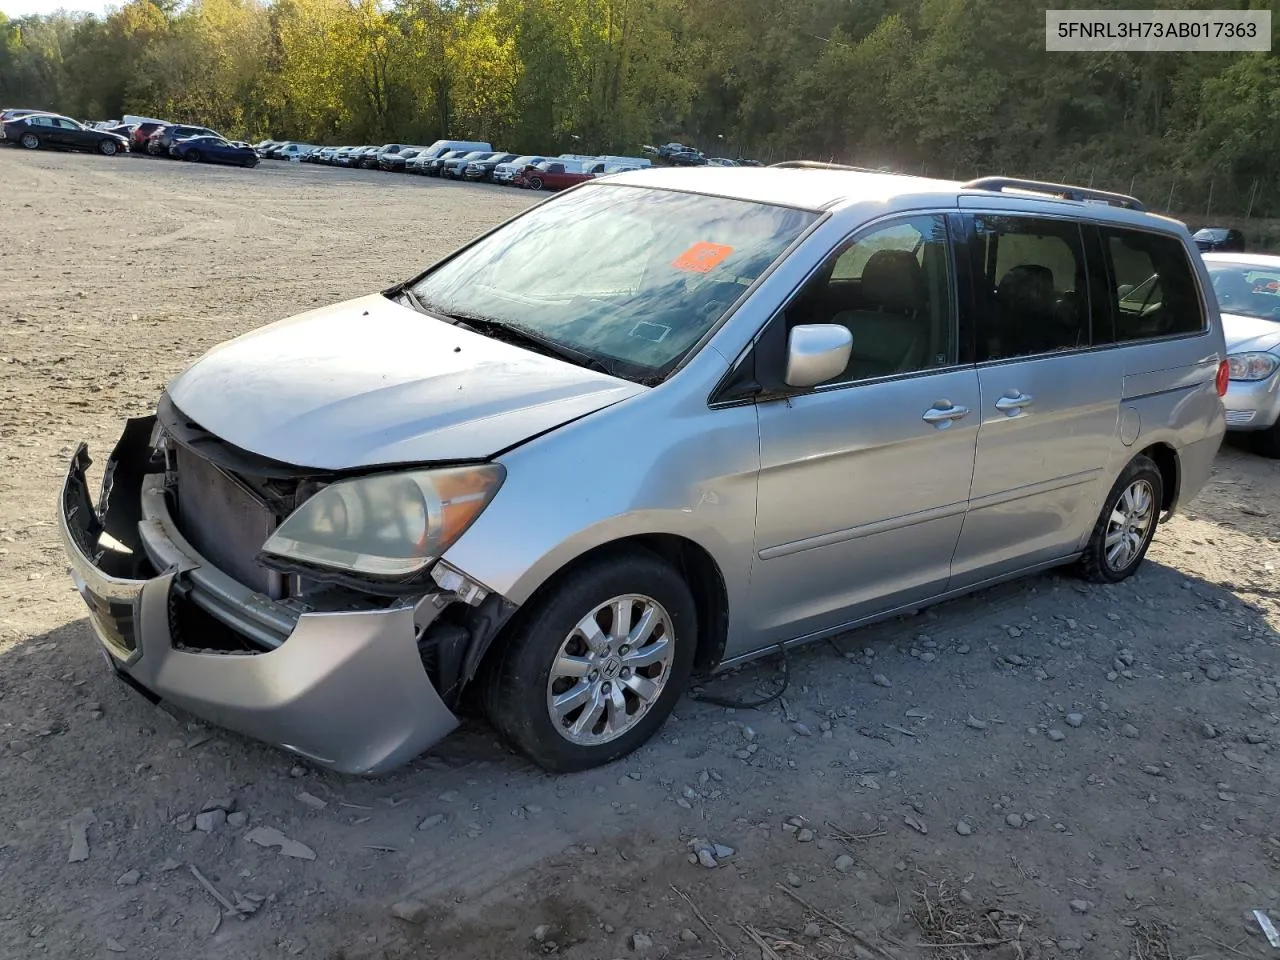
column 1127, row 524
column 30, row 141
column 631, row 688
column 1266, row 443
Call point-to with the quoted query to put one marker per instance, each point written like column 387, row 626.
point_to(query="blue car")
column 214, row 150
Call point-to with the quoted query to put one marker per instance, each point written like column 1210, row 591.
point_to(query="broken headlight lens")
column 388, row 525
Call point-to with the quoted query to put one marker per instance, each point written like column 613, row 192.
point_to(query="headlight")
column 389, row 525
column 1252, row 366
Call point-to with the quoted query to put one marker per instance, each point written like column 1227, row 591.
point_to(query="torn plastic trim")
column 454, row 637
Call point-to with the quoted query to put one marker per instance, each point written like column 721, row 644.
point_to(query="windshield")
column 630, row 277
column 1245, row 290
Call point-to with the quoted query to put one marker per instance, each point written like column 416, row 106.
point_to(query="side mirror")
column 816, row 352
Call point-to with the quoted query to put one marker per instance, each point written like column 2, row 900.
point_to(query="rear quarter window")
column 1153, row 290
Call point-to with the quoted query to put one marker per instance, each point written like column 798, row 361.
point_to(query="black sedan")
column 162, row 139
column 214, row 150
column 1219, row 240
column 37, row 130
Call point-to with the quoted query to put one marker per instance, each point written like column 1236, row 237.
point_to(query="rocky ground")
column 1046, row 769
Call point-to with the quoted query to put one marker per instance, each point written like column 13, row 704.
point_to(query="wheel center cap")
column 612, row 667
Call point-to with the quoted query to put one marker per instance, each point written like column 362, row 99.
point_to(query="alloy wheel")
column 610, row 669
column 1129, row 524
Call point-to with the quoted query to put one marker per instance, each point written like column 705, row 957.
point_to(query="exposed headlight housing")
column 1252, row 366
column 390, row 525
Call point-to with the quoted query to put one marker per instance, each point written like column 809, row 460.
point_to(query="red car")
column 140, row 134
column 558, row 174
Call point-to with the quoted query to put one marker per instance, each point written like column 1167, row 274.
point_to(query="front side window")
column 1032, row 289
column 1155, row 290
column 1246, row 290
column 891, row 287
column 631, row 277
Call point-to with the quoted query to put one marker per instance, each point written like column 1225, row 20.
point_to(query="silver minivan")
column 657, row 426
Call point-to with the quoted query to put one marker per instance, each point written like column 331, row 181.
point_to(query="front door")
column 1049, row 404
column 864, row 481
column 71, row 134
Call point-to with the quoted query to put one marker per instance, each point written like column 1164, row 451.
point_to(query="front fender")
column 642, row 467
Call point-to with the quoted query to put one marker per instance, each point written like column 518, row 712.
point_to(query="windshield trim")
column 662, row 374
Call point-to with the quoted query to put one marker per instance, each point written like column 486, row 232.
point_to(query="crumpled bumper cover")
column 347, row 690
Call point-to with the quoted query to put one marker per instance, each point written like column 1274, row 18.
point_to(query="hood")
column 1244, row 334
column 369, row 382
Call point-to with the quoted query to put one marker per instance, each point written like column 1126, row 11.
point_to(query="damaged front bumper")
column 347, row 689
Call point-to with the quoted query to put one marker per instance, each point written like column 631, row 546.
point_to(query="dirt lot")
column 1046, row 769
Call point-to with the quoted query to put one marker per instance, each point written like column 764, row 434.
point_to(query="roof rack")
column 1063, row 190
column 816, row 165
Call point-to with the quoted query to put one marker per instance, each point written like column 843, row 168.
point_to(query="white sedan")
column 1248, row 289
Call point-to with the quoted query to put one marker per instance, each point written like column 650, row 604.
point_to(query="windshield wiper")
column 417, row 304
column 502, row 330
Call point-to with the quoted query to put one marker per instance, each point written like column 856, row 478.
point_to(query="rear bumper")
column 348, row 690
column 1253, row 405
column 1195, row 465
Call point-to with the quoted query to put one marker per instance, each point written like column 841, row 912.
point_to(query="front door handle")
column 1013, row 402
column 942, row 413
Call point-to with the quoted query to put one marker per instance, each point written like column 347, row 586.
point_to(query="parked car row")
column 682, row 155
column 458, row 160
column 34, row 129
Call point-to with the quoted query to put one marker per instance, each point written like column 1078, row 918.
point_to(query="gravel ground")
column 1045, row 769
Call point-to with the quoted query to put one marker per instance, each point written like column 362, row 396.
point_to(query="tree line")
column 944, row 87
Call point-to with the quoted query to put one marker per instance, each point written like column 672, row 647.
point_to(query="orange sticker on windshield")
column 702, row 257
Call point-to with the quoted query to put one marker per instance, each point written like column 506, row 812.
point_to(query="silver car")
column 663, row 424
column 1248, row 290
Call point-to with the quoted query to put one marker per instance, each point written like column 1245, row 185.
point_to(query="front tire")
column 1266, row 443
column 193, row 156
column 30, row 141
column 108, row 148
column 595, row 664
column 1127, row 524
column 535, row 183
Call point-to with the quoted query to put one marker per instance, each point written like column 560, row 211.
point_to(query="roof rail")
column 1063, row 190
column 817, row 165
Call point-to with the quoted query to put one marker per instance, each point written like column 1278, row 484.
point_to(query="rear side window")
column 1153, row 286
column 1033, row 292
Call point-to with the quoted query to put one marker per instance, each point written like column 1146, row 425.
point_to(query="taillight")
column 1223, row 378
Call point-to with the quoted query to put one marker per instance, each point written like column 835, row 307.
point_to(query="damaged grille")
column 116, row 620
column 224, row 520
